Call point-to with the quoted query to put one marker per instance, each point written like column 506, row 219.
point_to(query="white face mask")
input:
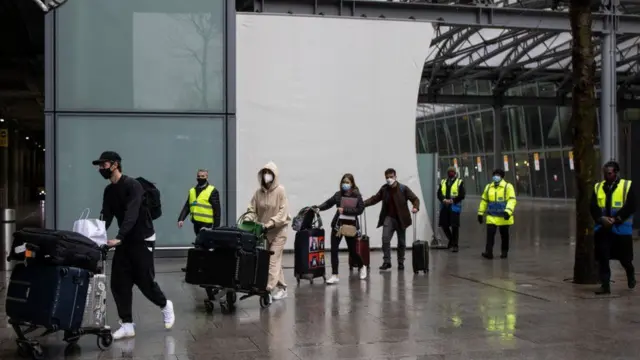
column 391, row 181
column 267, row 178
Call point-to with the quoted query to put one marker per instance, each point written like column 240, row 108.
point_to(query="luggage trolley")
column 227, row 297
column 31, row 347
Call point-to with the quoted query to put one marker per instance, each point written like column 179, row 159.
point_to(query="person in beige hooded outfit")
column 271, row 207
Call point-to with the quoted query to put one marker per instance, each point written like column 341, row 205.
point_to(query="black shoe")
column 385, row 266
column 455, row 249
column 503, row 256
column 400, row 266
column 604, row 290
column 631, row 281
column 449, row 246
column 184, row 269
column 487, row 256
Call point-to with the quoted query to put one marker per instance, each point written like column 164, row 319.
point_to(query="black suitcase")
column 58, row 248
column 419, row 252
column 211, row 267
column 226, row 238
column 53, row 297
column 309, row 254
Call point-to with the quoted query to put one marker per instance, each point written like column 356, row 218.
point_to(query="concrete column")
column 4, row 173
column 608, row 94
column 497, row 138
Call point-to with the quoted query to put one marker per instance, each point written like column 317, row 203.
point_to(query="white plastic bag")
column 94, row 229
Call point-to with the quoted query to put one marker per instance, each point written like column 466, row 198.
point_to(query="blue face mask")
column 496, row 178
column 346, row 187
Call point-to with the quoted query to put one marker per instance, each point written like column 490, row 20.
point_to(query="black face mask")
column 201, row 181
column 106, row 173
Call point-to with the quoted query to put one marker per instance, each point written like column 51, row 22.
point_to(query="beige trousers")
column 276, row 274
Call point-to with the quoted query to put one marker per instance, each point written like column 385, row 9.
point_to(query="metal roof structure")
column 508, row 42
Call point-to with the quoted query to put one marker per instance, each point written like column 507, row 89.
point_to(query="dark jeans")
column 452, row 233
column 133, row 265
column 335, row 251
column 390, row 226
column 491, row 238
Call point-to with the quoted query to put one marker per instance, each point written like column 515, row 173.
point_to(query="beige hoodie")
column 271, row 205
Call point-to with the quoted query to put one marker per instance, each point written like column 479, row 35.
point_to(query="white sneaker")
column 333, row 279
column 168, row 315
column 127, row 330
column 280, row 294
column 363, row 273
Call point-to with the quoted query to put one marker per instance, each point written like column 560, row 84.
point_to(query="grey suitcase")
column 95, row 312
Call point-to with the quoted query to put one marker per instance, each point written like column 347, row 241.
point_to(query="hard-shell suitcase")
column 95, row 312
column 211, row 267
column 309, row 253
column 362, row 246
column 58, row 248
column 53, row 297
column 230, row 238
column 419, row 252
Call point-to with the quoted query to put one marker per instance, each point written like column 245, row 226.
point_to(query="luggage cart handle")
column 415, row 227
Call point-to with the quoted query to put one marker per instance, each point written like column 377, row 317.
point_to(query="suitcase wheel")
column 34, row 350
column 231, row 298
column 227, row 308
column 324, row 278
column 208, row 306
column 298, row 278
column 416, row 272
column 350, row 268
column 104, row 341
column 265, row 301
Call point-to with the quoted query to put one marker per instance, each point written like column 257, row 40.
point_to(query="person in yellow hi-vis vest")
column 612, row 207
column 498, row 203
column 203, row 203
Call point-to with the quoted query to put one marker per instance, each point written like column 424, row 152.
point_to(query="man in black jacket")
column 135, row 242
column 612, row 208
column 203, row 203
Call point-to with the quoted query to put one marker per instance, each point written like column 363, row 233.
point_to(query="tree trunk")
column 584, row 124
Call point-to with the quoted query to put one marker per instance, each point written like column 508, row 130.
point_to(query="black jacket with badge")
column 399, row 194
column 447, row 217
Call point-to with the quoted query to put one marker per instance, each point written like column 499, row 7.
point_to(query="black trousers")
column 452, row 233
column 610, row 246
column 491, row 238
column 133, row 265
column 197, row 226
column 335, row 251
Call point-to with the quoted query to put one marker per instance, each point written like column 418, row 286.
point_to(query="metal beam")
column 509, row 100
column 485, row 16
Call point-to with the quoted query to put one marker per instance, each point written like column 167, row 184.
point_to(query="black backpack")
column 151, row 198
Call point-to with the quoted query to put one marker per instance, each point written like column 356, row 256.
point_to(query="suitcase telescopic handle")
column 415, row 227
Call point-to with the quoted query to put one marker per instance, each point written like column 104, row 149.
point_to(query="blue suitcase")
column 53, row 297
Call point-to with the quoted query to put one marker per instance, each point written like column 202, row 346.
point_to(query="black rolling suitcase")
column 253, row 270
column 419, row 252
column 309, row 252
column 53, row 297
column 57, row 248
column 230, row 238
column 211, row 267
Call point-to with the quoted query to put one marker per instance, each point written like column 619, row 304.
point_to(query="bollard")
column 7, row 228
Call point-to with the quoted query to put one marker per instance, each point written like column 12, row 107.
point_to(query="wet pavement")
column 465, row 308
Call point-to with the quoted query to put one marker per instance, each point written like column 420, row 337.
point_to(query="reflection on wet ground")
column 466, row 308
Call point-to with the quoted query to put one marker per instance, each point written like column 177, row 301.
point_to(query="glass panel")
column 554, row 164
column 522, row 174
column 564, row 125
column 169, row 157
column 441, row 133
column 510, row 172
column 463, row 134
column 432, row 146
column 484, row 87
column 537, row 174
column 140, row 55
column 517, row 128
column 551, row 129
column 507, row 145
column 475, row 126
column 473, row 176
column 487, row 129
column 453, row 134
column 534, row 133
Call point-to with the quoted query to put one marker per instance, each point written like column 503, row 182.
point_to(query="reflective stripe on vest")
column 498, row 204
column 618, row 198
column 200, row 207
column 454, row 193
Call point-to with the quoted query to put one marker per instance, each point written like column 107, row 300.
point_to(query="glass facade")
column 151, row 80
column 536, row 141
